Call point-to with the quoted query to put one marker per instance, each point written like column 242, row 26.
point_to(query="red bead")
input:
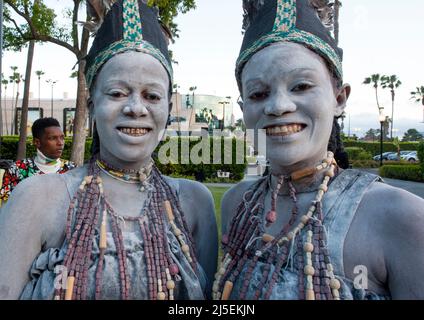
column 173, row 269
column 225, row 240
column 271, row 216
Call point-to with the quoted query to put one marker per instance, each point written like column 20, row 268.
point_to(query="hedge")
column 9, row 148
column 357, row 153
column 420, row 154
column 410, row 172
column 374, row 147
column 208, row 172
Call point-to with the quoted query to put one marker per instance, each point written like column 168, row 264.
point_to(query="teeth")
column 284, row 130
column 134, row 131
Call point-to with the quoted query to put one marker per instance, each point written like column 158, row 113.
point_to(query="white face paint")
column 287, row 90
column 131, row 108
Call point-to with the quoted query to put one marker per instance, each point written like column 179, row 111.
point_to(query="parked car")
column 411, row 157
column 385, row 156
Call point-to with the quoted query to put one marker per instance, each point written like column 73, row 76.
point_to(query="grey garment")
column 47, row 272
column 339, row 207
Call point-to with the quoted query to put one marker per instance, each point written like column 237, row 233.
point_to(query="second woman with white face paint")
column 309, row 230
column 114, row 228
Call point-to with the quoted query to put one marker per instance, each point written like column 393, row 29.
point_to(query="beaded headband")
column 299, row 21
column 128, row 25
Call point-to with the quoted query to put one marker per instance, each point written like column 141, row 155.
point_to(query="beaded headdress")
column 300, row 21
column 121, row 26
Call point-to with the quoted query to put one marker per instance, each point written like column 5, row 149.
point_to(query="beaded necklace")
column 89, row 208
column 247, row 242
column 129, row 176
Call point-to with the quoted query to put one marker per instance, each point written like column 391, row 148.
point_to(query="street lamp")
column 52, row 83
column 223, row 111
column 381, row 118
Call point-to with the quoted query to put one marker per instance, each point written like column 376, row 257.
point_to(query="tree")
column 371, row 135
column 76, row 41
column 17, row 37
column 39, row 73
column 391, row 82
column 419, row 96
column 4, row 82
column 375, row 80
column 337, row 5
column 412, row 135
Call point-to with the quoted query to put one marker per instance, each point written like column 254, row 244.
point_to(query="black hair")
column 42, row 123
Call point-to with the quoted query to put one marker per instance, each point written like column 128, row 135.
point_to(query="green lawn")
column 217, row 193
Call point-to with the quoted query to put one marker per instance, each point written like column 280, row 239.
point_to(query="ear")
column 240, row 102
column 36, row 142
column 341, row 98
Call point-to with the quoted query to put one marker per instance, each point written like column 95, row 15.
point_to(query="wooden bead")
column 271, row 216
column 69, row 288
column 228, row 287
column 215, row 287
column 267, row 238
column 330, row 172
column 161, row 296
column 103, row 238
column 170, row 285
column 305, row 219
column 310, row 295
column 168, row 210
column 309, row 270
column 290, row 235
column 177, row 231
column 335, row 284
column 88, row 179
column 221, row 271
column 302, row 173
column 323, row 187
column 185, row 248
column 308, row 247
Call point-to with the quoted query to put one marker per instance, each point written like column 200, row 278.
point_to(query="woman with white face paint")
column 309, row 230
column 114, row 228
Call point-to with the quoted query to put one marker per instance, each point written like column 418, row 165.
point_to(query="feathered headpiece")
column 307, row 22
column 120, row 26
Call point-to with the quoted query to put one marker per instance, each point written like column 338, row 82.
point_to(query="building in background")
column 189, row 113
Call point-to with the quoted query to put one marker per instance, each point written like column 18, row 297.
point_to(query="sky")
column 377, row 36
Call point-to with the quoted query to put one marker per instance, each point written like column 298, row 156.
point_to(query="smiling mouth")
column 134, row 132
column 285, row 130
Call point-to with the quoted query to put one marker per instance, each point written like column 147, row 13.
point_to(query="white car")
column 411, row 157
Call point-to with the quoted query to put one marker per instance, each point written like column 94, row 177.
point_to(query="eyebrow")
column 126, row 84
column 296, row 70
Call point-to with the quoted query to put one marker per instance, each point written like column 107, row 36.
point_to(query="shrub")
column 420, row 153
column 403, row 172
column 374, row 147
column 357, row 153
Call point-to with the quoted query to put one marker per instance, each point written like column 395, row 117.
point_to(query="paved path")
column 416, row 188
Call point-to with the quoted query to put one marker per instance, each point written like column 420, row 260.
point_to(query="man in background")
column 49, row 140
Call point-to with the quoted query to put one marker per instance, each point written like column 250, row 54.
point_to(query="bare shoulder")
column 395, row 217
column 231, row 200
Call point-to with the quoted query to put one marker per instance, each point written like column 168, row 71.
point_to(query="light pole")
column 52, row 83
column 381, row 118
column 223, row 112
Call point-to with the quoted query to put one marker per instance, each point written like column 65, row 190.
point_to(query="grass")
column 217, row 193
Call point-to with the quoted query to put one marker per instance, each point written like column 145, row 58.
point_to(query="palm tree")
column 5, row 82
column 392, row 82
column 39, row 73
column 375, row 80
column 419, row 96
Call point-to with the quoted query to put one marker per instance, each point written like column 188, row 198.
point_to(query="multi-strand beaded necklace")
column 89, row 208
column 247, row 243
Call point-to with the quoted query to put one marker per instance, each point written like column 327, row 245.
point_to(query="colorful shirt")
column 21, row 170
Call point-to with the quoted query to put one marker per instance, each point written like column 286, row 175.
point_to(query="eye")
column 117, row 94
column 259, row 95
column 302, row 87
column 152, row 96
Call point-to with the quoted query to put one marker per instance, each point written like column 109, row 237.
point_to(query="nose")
column 279, row 104
column 135, row 107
